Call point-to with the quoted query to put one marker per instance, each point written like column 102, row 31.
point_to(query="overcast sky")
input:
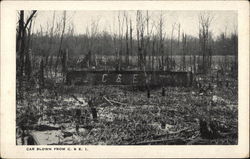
column 108, row 20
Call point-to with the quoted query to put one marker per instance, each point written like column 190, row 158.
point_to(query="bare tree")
column 161, row 39
column 50, row 45
column 61, row 40
column 184, row 49
column 131, row 38
column 148, row 39
column 179, row 29
column 21, row 37
column 171, row 45
column 225, row 48
column 235, row 50
column 27, row 54
column 205, row 20
column 126, row 37
column 20, row 47
column 140, row 38
column 120, row 35
column 153, row 53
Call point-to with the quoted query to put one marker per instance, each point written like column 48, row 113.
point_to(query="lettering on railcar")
column 135, row 78
column 104, row 78
column 129, row 78
column 119, row 78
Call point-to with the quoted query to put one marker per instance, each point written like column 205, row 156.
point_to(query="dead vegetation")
column 108, row 115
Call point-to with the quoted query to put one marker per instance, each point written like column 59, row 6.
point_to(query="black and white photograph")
column 126, row 77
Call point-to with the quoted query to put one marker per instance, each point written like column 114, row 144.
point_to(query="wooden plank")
column 45, row 137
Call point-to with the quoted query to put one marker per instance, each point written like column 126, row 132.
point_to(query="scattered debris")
column 183, row 116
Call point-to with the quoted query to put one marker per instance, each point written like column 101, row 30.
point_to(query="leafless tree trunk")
column 194, row 64
column 179, row 29
column 41, row 77
column 120, row 42
column 235, row 47
column 64, row 61
column 225, row 49
column 131, row 39
column 147, row 42
column 171, row 46
column 153, row 54
column 21, row 45
column 184, row 49
column 120, row 34
column 204, row 26
column 161, row 42
column 127, row 42
column 20, row 51
column 61, row 40
column 28, row 68
column 50, row 63
column 140, row 38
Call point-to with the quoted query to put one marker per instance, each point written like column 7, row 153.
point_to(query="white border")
column 8, row 68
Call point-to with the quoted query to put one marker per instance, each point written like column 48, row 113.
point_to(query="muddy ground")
column 65, row 115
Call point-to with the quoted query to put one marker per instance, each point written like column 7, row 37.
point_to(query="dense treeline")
column 106, row 44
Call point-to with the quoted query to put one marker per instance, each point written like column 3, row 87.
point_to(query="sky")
column 223, row 21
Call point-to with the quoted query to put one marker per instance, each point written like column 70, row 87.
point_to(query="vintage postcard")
column 108, row 79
